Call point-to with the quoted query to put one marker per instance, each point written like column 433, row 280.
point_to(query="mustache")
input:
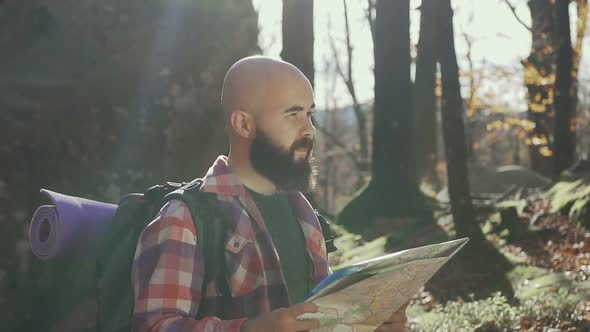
column 305, row 142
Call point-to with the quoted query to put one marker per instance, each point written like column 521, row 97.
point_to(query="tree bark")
column 424, row 98
column 454, row 130
column 298, row 35
column 393, row 123
column 564, row 138
column 539, row 77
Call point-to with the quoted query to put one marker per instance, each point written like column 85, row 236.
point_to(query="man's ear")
column 242, row 123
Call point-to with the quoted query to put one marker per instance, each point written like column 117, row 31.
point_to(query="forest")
column 102, row 98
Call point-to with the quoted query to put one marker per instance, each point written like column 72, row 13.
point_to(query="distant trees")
column 548, row 129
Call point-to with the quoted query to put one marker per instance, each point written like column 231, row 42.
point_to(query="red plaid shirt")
column 168, row 269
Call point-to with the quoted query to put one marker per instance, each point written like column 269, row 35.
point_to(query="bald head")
column 268, row 106
column 258, row 84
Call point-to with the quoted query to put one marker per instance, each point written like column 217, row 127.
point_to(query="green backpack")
column 135, row 211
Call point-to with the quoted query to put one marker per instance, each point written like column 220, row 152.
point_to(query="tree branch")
column 338, row 68
column 348, row 80
column 469, row 57
column 513, row 10
column 370, row 10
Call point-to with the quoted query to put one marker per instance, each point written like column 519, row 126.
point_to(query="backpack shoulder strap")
column 327, row 233
column 211, row 229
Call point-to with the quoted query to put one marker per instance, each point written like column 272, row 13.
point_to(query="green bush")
column 550, row 309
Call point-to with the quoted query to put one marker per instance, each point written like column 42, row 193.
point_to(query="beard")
column 280, row 166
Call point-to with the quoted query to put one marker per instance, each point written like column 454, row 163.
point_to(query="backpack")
column 114, row 291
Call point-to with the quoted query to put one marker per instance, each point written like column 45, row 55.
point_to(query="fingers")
column 302, row 308
column 304, row 324
column 307, row 324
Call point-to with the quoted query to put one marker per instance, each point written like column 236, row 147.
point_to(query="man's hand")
column 396, row 322
column 284, row 320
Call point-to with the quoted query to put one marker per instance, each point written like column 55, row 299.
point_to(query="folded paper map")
column 361, row 296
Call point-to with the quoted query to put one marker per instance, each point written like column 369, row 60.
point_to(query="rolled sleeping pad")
column 70, row 227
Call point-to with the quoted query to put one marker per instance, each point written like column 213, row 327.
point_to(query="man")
column 275, row 252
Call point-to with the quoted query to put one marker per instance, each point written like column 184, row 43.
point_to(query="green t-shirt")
column 281, row 221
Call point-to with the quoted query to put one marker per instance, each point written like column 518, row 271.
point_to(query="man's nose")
column 308, row 129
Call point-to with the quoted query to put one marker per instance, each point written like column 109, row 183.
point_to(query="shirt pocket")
column 236, row 243
column 244, row 265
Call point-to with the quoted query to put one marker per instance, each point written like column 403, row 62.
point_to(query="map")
column 360, row 297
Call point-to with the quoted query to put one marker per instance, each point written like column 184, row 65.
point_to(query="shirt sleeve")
column 167, row 276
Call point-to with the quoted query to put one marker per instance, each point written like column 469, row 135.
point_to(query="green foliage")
column 519, row 205
column 531, row 281
column 571, row 198
column 557, row 305
column 495, row 313
column 522, row 275
column 563, row 194
column 505, row 225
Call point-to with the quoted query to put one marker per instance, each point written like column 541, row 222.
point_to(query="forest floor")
column 543, row 237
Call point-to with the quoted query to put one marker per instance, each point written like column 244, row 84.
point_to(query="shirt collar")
column 220, row 179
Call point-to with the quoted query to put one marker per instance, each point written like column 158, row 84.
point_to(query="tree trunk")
column 454, row 131
column 564, row 138
column 393, row 191
column 486, row 276
column 424, row 98
column 392, row 130
column 298, row 35
column 539, row 77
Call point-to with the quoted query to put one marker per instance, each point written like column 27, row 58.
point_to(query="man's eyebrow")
column 298, row 108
